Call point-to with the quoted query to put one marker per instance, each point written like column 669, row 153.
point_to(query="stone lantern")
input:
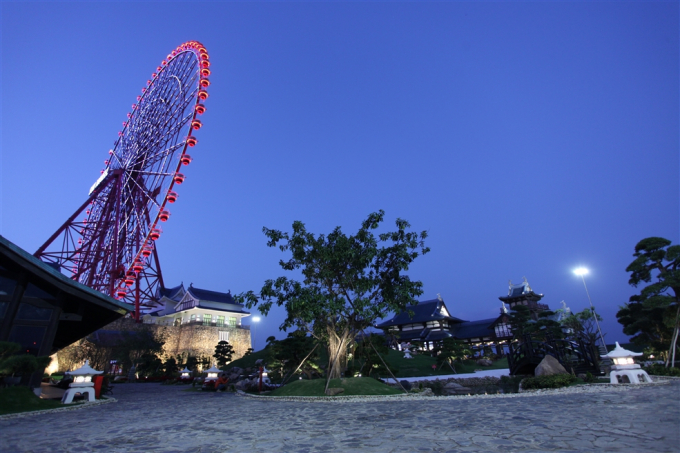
column 625, row 370
column 186, row 373
column 212, row 373
column 82, row 383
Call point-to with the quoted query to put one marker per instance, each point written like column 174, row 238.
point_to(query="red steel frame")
column 113, row 246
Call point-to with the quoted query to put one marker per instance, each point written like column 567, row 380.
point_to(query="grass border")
column 70, row 407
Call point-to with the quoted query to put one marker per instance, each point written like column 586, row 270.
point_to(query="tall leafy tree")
column 653, row 316
column 348, row 281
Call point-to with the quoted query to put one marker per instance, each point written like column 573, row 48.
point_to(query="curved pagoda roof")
column 429, row 310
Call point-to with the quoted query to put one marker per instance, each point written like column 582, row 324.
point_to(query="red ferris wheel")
column 109, row 243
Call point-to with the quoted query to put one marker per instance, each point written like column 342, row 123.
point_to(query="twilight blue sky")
column 527, row 138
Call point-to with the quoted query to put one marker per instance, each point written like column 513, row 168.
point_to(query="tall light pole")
column 256, row 319
column 581, row 271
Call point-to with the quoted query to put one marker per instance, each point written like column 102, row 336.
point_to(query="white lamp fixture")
column 212, row 373
column 82, row 377
column 82, row 383
column 186, row 373
column 625, row 370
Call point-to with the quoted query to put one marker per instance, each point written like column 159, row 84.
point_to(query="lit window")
column 207, row 319
column 232, row 321
column 220, row 321
column 193, row 318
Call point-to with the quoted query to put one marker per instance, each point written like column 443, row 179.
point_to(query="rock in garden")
column 406, row 384
column 484, row 362
column 332, row 391
column 549, row 366
column 451, row 388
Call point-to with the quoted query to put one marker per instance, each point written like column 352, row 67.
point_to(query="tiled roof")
column 212, row 296
column 474, row 329
column 234, row 307
column 428, row 310
column 170, row 293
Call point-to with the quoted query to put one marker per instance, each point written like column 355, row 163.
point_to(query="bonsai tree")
column 24, row 365
column 223, row 353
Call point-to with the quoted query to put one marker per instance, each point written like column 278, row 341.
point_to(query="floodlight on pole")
column 255, row 320
column 581, row 271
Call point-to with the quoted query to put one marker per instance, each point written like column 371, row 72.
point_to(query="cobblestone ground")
column 155, row 418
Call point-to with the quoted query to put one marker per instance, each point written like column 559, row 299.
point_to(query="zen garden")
column 97, row 347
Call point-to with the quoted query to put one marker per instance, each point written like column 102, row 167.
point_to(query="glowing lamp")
column 82, row 377
column 212, row 373
column 625, row 370
column 186, row 373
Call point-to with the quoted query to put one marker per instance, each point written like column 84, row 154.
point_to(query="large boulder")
column 452, row 388
column 484, row 362
column 406, row 384
column 549, row 366
column 332, row 391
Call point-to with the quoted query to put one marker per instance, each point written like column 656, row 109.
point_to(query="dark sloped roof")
column 170, row 293
column 234, row 308
column 212, row 296
column 474, row 329
column 436, row 335
column 428, row 310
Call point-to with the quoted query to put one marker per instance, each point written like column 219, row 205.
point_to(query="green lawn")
column 352, row 386
column 22, row 399
column 249, row 360
column 419, row 365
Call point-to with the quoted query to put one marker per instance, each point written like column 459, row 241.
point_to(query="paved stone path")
column 155, row 418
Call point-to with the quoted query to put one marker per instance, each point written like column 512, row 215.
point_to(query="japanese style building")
column 179, row 306
column 430, row 322
column 192, row 320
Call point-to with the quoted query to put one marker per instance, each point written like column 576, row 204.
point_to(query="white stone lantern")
column 212, row 373
column 625, row 370
column 186, row 373
column 82, row 383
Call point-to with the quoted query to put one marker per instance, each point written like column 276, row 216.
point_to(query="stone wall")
column 195, row 339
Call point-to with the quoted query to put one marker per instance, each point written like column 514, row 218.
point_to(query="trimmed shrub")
column 548, row 382
column 660, row 370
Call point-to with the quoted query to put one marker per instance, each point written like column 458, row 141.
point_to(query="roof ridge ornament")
column 526, row 283
column 439, row 296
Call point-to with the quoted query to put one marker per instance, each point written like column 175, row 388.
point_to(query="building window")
column 220, row 321
column 503, row 330
column 178, row 321
column 224, row 335
column 193, row 318
column 207, row 319
column 232, row 321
